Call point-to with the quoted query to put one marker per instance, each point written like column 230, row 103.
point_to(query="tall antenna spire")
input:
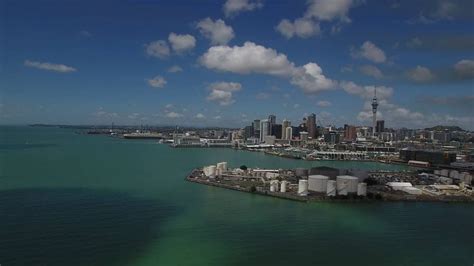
column 375, row 104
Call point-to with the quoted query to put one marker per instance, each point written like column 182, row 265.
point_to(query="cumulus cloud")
column 324, row 103
column 465, row 68
column 311, row 79
column 253, row 58
column 246, row 59
column 329, row 10
column 200, row 116
column 233, row 7
column 421, row 74
column 222, row 92
column 262, row 96
column 366, row 92
column 49, row 66
column 175, row 69
column 157, row 82
column 371, row 71
column 181, row 42
column 216, row 31
column 158, row 49
column 371, row 52
column 301, row 27
column 173, row 115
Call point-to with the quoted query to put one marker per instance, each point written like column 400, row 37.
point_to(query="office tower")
column 248, row 132
column 311, row 126
column 264, row 129
column 380, row 127
column 256, row 128
column 350, row 133
column 304, row 135
column 277, row 131
column 331, row 137
column 271, row 121
column 285, row 124
column 288, row 133
column 375, row 104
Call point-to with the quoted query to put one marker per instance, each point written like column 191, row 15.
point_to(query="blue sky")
column 225, row 63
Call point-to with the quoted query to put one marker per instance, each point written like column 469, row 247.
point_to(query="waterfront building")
column 303, row 135
column 331, row 137
column 256, row 128
column 248, row 132
column 264, row 129
column 288, row 133
column 430, row 156
column 285, row 125
column 311, row 126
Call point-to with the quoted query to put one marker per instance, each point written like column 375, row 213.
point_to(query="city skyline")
column 227, row 63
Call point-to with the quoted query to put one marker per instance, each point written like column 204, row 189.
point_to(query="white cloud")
column 329, row 10
column 157, row 82
column 324, row 103
column 371, row 52
column 200, row 116
column 173, row 115
column 301, row 27
column 262, row 96
column 311, row 79
column 169, row 106
column 366, row 92
column 216, row 31
column 217, row 117
column 253, row 58
column 421, row 74
column 49, row 66
column 175, row 69
column 246, row 59
column 233, row 7
column 181, row 42
column 371, row 71
column 222, row 92
column 296, row 105
column 226, row 86
column 465, row 68
column 414, row 43
column 158, row 49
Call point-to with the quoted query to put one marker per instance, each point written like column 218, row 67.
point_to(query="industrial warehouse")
column 331, row 184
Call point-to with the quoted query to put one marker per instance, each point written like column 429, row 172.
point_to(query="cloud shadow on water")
column 76, row 226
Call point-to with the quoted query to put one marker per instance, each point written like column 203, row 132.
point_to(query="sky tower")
column 375, row 104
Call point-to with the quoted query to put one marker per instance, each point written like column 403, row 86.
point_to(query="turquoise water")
column 69, row 199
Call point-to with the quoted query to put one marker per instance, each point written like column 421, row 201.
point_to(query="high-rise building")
column 350, row 133
column 277, row 131
column 311, row 126
column 284, row 125
column 380, row 127
column 331, row 137
column 256, row 128
column 264, row 129
column 288, row 133
column 271, row 121
column 248, row 132
column 304, row 135
column 375, row 104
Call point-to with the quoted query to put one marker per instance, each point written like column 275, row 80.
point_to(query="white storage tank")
column 303, row 187
column 346, row 184
column 317, row 183
column 454, row 174
column 445, row 172
column 283, row 186
column 301, row 172
column 331, row 188
column 437, row 172
column 224, row 166
column 274, row 186
column 362, row 189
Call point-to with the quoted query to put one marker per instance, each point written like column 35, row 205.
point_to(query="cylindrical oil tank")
column 224, row 166
column 274, row 186
column 346, row 184
column 317, row 183
column 362, row 189
column 331, row 188
column 454, row 174
column 303, row 187
column 301, row 172
column 283, row 186
column 445, row 172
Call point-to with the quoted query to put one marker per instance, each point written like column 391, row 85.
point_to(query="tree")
column 243, row 167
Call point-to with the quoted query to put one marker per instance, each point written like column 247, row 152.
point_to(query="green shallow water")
column 68, row 199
